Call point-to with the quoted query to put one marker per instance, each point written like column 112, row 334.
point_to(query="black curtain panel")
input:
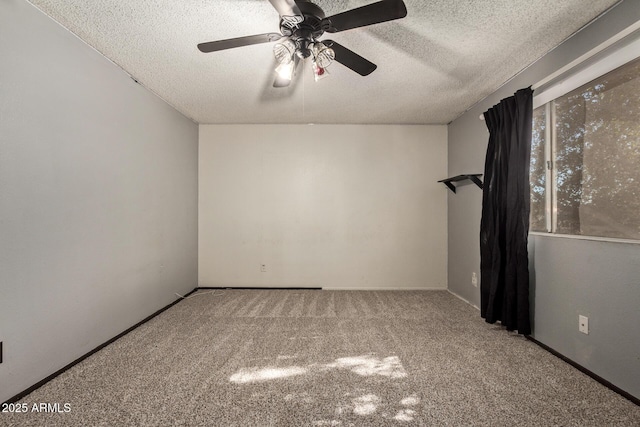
column 504, row 228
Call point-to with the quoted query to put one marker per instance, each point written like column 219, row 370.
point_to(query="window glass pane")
column 598, row 156
column 537, row 178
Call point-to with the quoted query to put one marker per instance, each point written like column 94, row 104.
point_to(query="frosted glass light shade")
column 284, row 51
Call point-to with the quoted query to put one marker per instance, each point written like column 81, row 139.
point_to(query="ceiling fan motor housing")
column 304, row 33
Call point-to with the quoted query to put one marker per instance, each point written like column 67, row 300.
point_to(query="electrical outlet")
column 583, row 324
column 263, row 268
column 474, row 279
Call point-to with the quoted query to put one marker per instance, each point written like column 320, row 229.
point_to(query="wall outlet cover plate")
column 583, row 324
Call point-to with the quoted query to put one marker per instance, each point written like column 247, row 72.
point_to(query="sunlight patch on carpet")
column 369, row 365
column 366, row 365
column 265, row 374
column 405, row 415
column 327, row 423
column 410, row 401
column 366, row 405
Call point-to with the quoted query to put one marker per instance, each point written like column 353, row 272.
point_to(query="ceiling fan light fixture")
column 285, row 71
column 284, row 51
column 319, row 72
column 323, row 55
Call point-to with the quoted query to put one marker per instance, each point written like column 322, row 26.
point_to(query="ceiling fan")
column 301, row 24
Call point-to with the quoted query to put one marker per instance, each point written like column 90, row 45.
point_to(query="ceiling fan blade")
column 374, row 13
column 281, row 81
column 286, row 7
column 238, row 42
column 350, row 59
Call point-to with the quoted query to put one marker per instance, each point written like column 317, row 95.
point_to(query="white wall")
column 569, row 277
column 98, row 199
column 336, row 206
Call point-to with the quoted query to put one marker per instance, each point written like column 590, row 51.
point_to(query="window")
column 538, row 171
column 585, row 159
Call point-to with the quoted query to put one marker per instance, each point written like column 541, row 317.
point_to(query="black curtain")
column 504, row 228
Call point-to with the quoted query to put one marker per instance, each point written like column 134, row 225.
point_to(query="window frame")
column 613, row 53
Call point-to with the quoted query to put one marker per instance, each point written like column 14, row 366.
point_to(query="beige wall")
column 335, row 206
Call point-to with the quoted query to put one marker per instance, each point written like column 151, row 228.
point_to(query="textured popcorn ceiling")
column 432, row 65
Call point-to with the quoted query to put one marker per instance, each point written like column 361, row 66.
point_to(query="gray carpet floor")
column 325, row 358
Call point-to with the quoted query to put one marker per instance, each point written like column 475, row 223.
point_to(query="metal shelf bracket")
column 473, row 177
